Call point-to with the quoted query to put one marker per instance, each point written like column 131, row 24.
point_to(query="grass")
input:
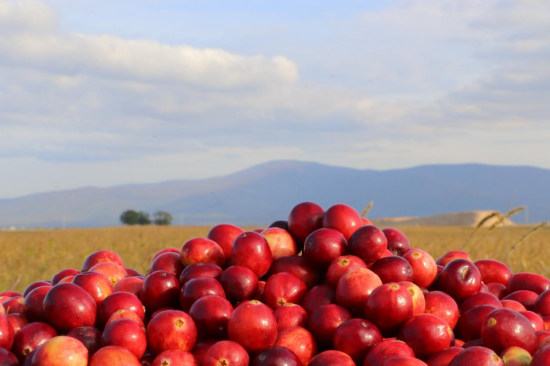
column 39, row 254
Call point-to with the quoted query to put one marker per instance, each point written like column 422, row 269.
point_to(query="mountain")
column 267, row 192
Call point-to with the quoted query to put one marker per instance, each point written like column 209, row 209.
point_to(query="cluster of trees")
column 131, row 217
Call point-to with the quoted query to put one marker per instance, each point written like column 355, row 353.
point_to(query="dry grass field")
column 39, row 254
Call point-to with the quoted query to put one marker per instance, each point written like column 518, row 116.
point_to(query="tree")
column 162, row 218
column 129, row 217
column 143, row 218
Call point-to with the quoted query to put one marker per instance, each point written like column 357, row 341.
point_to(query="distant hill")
column 469, row 218
column 267, row 192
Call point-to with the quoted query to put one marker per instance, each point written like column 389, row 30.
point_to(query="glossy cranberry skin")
column 477, row 356
column 34, row 285
column 542, row 304
column 96, row 284
column 443, row 358
column 14, row 305
column 324, row 322
column 118, row 301
column 202, row 250
column 423, row 266
column 368, row 243
column 343, row 218
column 386, row 350
column 6, row 333
column 198, row 288
column 481, row 298
column 525, row 297
column 17, row 322
column 89, row 336
column 393, row 269
column 175, row 357
column 298, row 266
column 340, row 266
column 199, row 270
column 68, row 306
column 211, row 315
column 528, row 281
column 253, row 326
column 497, row 289
column 127, row 334
column 160, row 289
column 30, row 337
column 62, row 274
column 166, row 250
column 470, row 323
column 99, row 257
column 354, row 289
column 274, row 356
column 132, row 285
column 171, row 330
column 283, row 288
column 251, row 250
column 224, row 235
column 503, row 328
column 300, row 341
column 323, row 246
column 33, row 306
column 332, row 357
column 493, row 271
column 426, row 334
column 239, row 283
column 228, row 352
column 7, row 358
column 355, row 337
column 169, row 262
column 305, row 218
column 398, row 243
column 389, row 307
column 460, row 279
column 290, row 315
column 318, row 296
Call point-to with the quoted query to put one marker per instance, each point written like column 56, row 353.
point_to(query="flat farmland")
column 31, row 255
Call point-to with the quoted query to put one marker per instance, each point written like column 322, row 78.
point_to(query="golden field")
column 39, row 254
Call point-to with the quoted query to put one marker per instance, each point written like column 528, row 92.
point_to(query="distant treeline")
column 132, row 217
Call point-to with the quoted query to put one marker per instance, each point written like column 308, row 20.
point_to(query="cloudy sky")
column 96, row 92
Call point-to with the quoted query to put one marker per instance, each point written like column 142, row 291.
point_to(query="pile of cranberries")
column 323, row 288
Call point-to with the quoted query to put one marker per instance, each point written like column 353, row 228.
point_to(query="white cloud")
column 26, row 16
column 496, row 51
column 453, row 81
column 35, row 42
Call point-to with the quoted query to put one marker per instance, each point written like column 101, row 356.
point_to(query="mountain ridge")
column 266, row 192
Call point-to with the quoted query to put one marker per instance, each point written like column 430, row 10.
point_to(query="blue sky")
column 104, row 93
